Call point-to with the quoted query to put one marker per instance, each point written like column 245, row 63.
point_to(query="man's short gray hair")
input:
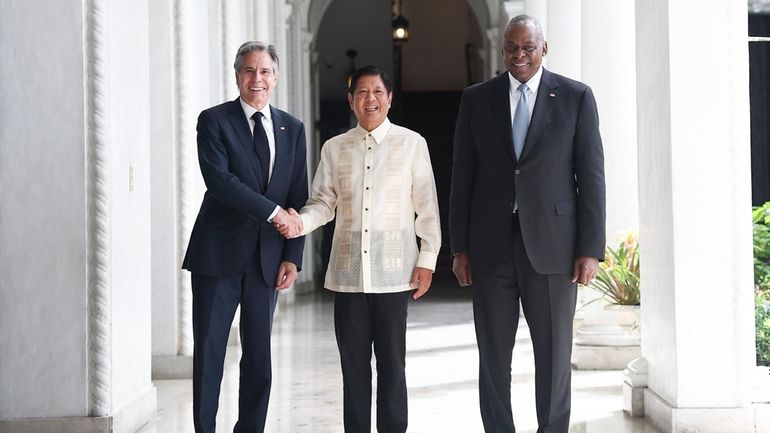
column 523, row 20
column 251, row 46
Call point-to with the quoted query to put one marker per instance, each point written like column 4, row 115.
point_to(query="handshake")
column 288, row 223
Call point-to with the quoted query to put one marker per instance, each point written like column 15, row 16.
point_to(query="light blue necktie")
column 520, row 121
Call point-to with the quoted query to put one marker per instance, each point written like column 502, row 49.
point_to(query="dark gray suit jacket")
column 558, row 181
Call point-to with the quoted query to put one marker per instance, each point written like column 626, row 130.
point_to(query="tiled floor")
column 441, row 373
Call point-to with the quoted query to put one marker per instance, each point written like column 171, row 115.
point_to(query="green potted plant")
column 761, row 218
column 618, row 277
column 610, row 336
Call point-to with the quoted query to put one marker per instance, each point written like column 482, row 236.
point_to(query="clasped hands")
column 288, row 223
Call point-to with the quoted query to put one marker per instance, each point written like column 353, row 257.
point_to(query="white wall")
column 129, row 141
column 43, row 210
column 44, row 165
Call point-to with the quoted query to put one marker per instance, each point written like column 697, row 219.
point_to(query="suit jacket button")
column 517, row 171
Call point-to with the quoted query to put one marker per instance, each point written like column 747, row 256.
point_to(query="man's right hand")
column 461, row 266
column 288, row 223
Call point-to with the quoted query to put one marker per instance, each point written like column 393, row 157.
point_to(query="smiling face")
column 523, row 50
column 370, row 101
column 256, row 78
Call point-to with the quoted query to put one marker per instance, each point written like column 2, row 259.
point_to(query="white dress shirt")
column 267, row 123
column 515, row 96
column 375, row 183
column 533, row 84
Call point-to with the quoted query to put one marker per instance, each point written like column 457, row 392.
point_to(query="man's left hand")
column 585, row 270
column 421, row 279
column 287, row 273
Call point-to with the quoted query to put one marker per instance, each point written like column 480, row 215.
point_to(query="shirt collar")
column 377, row 133
column 249, row 111
column 533, row 82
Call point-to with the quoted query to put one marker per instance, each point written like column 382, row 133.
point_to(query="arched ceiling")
column 484, row 10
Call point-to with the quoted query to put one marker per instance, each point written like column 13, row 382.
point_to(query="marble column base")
column 172, row 367
column 634, row 384
column 667, row 419
column 129, row 419
column 586, row 357
column 58, row 425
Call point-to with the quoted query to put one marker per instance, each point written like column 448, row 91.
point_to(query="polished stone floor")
column 441, row 374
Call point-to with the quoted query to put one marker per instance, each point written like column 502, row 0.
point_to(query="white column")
column 539, row 10
column 494, row 59
column 262, row 19
column 231, row 40
column 165, row 321
column 75, row 304
column 564, row 30
column 608, row 27
column 508, row 10
column 298, row 70
column 187, row 172
column 280, row 96
column 695, row 222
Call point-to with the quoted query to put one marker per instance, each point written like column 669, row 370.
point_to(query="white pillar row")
column 166, row 276
column 539, row 10
column 231, row 40
column 280, row 96
column 564, row 30
column 609, row 67
column 695, row 204
column 75, row 300
column 300, row 94
column 261, row 21
column 508, row 10
column 494, row 58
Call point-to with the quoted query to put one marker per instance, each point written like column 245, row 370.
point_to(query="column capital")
column 493, row 33
column 306, row 40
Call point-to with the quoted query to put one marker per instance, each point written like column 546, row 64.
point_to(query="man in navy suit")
column 252, row 158
column 527, row 209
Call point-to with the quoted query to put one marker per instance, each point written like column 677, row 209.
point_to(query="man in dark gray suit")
column 527, row 209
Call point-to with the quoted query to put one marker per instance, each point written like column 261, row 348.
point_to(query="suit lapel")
column 501, row 109
column 281, row 164
column 243, row 131
column 547, row 95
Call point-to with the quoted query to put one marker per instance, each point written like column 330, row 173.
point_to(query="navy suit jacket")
column 558, row 180
column 232, row 221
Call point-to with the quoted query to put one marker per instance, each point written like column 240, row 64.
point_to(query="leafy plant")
column 762, row 317
column 618, row 276
column 761, row 217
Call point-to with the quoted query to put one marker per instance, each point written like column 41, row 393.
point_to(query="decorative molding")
column 89, row 424
column 182, row 138
column 98, row 217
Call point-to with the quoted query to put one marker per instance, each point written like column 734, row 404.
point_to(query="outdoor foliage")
column 618, row 277
column 761, row 217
